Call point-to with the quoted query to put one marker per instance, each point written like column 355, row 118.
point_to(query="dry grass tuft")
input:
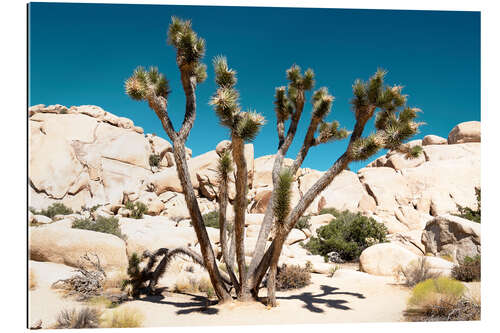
column 122, row 317
column 416, row 272
column 82, row 318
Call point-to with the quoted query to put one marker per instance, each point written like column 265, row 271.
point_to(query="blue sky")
column 82, row 53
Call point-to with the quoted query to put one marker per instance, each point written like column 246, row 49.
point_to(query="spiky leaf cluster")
column 224, row 165
column 414, row 152
column 284, row 107
column 370, row 94
column 248, row 125
column 281, row 206
column 322, row 103
column 330, row 131
column 190, row 47
column 364, row 148
column 399, row 128
column 225, row 99
column 144, row 84
column 298, row 80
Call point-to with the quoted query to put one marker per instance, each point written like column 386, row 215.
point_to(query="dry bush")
column 468, row 270
column 114, row 282
column 32, row 280
column 100, row 302
column 416, row 272
column 83, row 318
column 122, row 317
column 292, row 277
column 441, row 299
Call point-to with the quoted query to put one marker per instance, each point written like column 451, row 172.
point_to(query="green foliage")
column 468, row 270
column 298, row 81
column 136, row 208
column 442, row 299
column 329, row 132
column 322, row 103
column 303, row 223
column 224, row 76
column 469, row 213
column 364, row 148
column 57, row 208
column 332, row 211
column 103, row 224
column 443, row 287
column 281, row 206
column 348, row 235
column 284, row 107
column 211, row 219
column 224, row 166
column 248, row 125
column 292, row 277
column 415, row 152
column 154, row 160
column 82, row 318
column 190, row 47
column 144, row 84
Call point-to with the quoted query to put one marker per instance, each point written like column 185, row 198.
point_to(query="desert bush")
column 137, row 209
column 122, row 317
column 103, row 224
column 303, row 223
column 56, row 208
column 468, row 270
column 333, row 211
column 333, row 270
column 100, row 301
column 86, row 283
column 441, row 299
column 348, row 235
column 292, row 277
column 442, row 289
column 469, row 213
column 154, row 160
column 416, row 272
column 32, row 280
column 83, row 318
column 211, row 219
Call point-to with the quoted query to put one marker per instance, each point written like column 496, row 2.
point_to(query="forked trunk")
column 197, row 221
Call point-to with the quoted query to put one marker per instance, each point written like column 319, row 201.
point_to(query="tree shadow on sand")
column 311, row 301
column 196, row 303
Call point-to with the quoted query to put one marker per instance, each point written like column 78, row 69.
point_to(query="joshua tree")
column 394, row 124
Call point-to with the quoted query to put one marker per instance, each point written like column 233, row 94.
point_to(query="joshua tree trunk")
column 240, row 205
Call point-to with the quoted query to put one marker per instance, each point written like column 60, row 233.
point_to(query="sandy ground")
column 348, row 296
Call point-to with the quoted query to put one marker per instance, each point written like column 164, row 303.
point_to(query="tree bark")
column 267, row 222
column 197, row 221
column 223, row 198
column 240, row 205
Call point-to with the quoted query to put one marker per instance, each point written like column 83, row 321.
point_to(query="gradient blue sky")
column 82, row 53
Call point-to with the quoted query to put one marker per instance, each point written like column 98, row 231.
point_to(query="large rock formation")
column 86, row 156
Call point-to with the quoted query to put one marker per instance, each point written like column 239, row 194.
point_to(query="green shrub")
column 83, row 318
column 107, row 225
column 211, row 219
column 292, row 277
column 332, row 211
column 137, row 209
column 348, row 235
column 468, row 270
column 442, row 299
column 469, row 213
column 154, row 160
column 442, row 288
column 56, row 208
column 303, row 223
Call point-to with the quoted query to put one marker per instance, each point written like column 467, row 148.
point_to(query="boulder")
column 411, row 240
column 46, row 273
column 385, row 259
column 261, row 201
column 176, row 208
column 433, row 140
column 67, row 246
column 152, row 233
column 222, row 146
column 453, row 236
column 295, row 236
column 151, row 200
column 41, row 219
column 254, row 219
column 469, row 131
column 264, row 169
